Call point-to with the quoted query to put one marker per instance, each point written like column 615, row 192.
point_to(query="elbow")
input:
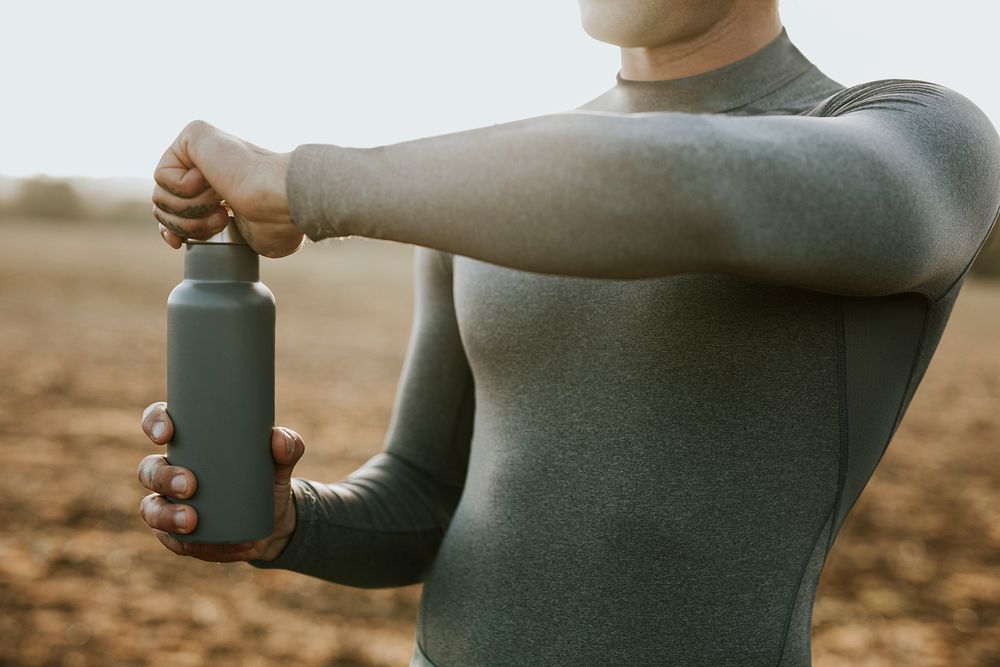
column 926, row 261
column 910, row 263
column 406, row 560
column 941, row 244
column 926, row 264
column 902, row 238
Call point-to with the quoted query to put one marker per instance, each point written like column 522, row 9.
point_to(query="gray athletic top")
column 660, row 344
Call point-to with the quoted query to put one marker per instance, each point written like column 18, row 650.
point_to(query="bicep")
column 883, row 200
column 840, row 205
column 867, row 204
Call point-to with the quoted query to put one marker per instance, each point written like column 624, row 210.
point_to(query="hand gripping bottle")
column 220, row 388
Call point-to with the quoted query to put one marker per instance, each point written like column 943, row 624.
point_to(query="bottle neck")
column 221, row 261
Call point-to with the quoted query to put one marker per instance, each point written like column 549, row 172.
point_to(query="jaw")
column 651, row 23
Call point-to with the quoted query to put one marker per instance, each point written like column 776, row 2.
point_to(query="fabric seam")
column 899, row 408
column 423, row 654
column 795, row 594
column 909, row 377
column 843, row 415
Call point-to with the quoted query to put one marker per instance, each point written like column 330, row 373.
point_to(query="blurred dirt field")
column 914, row 578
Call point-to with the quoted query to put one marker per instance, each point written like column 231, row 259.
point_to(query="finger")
column 201, row 156
column 156, row 423
column 272, row 243
column 220, row 553
column 173, row 240
column 287, row 448
column 176, row 171
column 158, row 512
column 194, row 228
column 156, row 474
column 195, row 207
column 222, row 158
column 171, row 542
column 178, row 177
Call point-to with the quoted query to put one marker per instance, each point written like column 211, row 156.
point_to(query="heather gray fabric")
column 655, row 358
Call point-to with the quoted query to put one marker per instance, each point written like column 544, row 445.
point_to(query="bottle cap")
column 230, row 234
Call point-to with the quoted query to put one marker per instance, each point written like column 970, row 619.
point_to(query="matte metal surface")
column 220, row 391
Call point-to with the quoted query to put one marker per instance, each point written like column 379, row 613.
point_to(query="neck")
column 746, row 29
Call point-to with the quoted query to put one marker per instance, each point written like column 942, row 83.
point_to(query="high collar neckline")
column 723, row 89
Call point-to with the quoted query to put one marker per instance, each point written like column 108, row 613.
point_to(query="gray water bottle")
column 220, row 388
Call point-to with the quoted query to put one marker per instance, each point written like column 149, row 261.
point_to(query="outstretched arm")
column 381, row 526
column 883, row 188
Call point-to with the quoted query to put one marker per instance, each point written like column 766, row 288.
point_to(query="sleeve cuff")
column 298, row 549
column 319, row 181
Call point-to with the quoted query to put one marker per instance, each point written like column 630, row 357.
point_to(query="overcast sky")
column 102, row 88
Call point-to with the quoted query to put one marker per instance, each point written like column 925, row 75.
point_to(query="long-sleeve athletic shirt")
column 660, row 343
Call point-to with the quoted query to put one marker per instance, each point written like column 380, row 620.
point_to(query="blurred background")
column 92, row 95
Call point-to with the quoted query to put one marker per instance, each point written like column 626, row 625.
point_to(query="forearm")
column 569, row 193
column 383, row 524
column 379, row 527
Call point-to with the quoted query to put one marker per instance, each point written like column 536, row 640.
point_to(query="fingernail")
column 180, row 518
column 159, row 428
column 289, row 443
column 179, row 484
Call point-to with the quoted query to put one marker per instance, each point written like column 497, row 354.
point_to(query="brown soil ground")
column 914, row 578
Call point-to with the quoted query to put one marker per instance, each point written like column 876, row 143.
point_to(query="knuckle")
column 148, row 468
column 160, row 480
column 151, row 411
column 196, row 125
column 156, row 514
column 160, row 206
column 146, row 510
column 160, row 194
column 163, row 218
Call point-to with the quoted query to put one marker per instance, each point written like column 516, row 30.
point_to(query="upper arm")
column 882, row 188
column 894, row 193
column 432, row 417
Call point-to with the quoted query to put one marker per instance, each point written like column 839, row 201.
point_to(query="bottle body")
column 220, row 392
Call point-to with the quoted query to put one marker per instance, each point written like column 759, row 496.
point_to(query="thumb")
column 286, row 448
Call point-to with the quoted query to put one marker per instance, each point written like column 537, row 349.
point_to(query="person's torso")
column 659, row 467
